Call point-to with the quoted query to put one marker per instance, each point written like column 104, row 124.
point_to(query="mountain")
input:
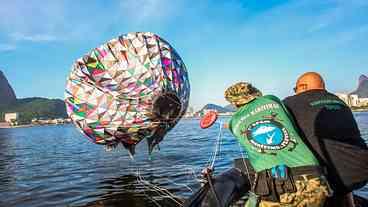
column 28, row 108
column 362, row 89
column 40, row 108
column 7, row 94
column 218, row 108
column 230, row 107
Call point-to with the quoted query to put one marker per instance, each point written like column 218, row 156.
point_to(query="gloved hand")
column 205, row 173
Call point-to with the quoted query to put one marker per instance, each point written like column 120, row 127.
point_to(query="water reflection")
column 7, row 161
column 127, row 190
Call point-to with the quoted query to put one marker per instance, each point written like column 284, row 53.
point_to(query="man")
column 287, row 172
column 332, row 133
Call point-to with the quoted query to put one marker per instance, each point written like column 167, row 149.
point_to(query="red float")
column 208, row 119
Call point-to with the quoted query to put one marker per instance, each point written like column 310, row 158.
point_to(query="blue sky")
column 268, row 43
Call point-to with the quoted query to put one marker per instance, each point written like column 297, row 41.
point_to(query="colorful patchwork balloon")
column 132, row 87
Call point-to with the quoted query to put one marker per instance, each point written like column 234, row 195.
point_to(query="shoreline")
column 359, row 110
column 193, row 117
column 18, row 126
column 29, row 126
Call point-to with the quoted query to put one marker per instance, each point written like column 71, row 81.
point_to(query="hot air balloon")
column 133, row 87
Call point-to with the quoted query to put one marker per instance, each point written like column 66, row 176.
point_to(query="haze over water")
column 57, row 166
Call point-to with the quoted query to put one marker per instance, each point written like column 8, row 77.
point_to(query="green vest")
column 267, row 132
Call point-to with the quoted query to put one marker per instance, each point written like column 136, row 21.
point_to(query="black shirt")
column 322, row 115
column 330, row 130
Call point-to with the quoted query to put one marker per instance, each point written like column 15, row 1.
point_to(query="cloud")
column 347, row 37
column 146, row 11
column 7, row 47
column 339, row 13
column 308, row 23
column 35, row 22
column 35, row 37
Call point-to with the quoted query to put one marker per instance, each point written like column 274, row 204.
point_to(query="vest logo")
column 268, row 134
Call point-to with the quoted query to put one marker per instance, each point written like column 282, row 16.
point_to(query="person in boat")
column 331, row 132
column 286, row 171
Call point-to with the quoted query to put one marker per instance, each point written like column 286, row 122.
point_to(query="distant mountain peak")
column 231, row 107
column 218, row 108
column 362, row 78
column 362, row 90
column 7, row 94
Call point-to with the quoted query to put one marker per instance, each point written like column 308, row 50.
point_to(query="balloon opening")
column 167, row 107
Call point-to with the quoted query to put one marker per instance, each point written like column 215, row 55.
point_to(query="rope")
column 209, row 179
column 245, row 165
column 161, row 191
column 215, row 155
column 218, row 146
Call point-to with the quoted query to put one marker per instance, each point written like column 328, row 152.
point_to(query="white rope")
column 147, row 196
column 182, row 185
column 217, row 147
column 161, row 191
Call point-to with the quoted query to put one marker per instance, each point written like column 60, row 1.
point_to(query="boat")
column 230, row 189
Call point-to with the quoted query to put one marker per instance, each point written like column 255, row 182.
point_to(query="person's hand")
column 206, row 172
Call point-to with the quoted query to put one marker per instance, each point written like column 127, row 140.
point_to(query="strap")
column 269, row 184
column 311, row 171
column 272, row 183
column 209, row 180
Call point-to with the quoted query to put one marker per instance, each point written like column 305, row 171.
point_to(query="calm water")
column 57, row 166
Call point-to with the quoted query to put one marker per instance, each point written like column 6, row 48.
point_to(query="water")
column 57, row 166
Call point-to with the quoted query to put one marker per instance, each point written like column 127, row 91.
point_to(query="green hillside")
column 40, row 108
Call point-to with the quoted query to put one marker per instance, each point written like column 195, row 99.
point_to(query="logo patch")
column 268, row 135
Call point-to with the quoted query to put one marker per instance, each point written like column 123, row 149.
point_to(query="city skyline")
column 269, row 44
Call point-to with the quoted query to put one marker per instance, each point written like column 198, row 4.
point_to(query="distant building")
column 226, row 113
column 11, row 117
column 190, row 112
column 51, row 121
column 363, row 101
column 344, row 97
column 188, row 115
column 353, row 100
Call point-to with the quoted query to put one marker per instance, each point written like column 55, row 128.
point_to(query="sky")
column 268, row 43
